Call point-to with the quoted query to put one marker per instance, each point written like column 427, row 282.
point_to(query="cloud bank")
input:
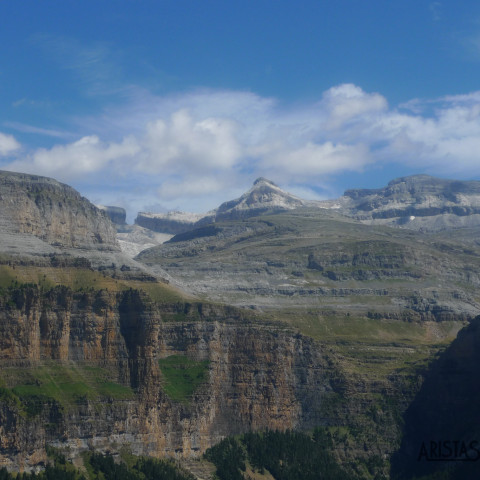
column 195, row 149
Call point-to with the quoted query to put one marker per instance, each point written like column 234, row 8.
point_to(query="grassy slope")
column 182, row 376
column 84, row 279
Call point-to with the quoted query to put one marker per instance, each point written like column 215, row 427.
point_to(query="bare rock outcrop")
column 52, row 212
column 55, row 345
column 117, row 215
column 417, row 202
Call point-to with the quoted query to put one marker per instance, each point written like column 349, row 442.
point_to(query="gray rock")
column 418, row 202
column 117, row 215
column 53, row 212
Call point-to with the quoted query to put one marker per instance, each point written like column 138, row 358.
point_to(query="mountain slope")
column 316, row 258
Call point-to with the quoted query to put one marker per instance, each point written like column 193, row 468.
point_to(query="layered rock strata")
column 52, row 212
column 256, row 376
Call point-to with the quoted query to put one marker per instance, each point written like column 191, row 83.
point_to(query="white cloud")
column 312, row 160
column 347, row 102
column 208, row 146
column 447, row 142
column 8, row 144
column 182, row 142
column 84, row 157
column 190, row 187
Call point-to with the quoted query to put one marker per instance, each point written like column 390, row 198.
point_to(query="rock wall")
column 171, row 223
column 53, row 212
column 257, row 377
column 117, row 215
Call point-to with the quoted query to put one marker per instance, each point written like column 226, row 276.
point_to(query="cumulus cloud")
column 8, row 144
column 182, row 142
column 446, row 142
column 347, row 102
column 89, row 155
column 182, row 149
column 312, row 160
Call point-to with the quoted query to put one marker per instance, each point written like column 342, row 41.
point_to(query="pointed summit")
column 263, row 197
column 265, row 181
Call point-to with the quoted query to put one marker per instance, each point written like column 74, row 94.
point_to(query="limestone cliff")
column 52, row 212
column 417, row 202
column 56, row 344
column 117, row 215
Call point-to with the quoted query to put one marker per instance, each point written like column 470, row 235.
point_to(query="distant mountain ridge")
column 417, row 202
column 53, row 212
column 263, row 197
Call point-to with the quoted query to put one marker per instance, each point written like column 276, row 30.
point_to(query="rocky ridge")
column 418, row 202
column 264, row 197
column 117, row 215
column 42, row 219
column 254, row 376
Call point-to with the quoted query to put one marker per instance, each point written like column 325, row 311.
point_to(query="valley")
column 273, row 314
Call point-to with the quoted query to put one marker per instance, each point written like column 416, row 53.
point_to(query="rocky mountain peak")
column 264, row 180
column 263, row 196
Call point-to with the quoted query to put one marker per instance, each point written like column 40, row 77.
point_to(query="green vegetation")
column 80, row 278
column 285, row 455
column 102, row 467
column 182, row 376
column 66, row 385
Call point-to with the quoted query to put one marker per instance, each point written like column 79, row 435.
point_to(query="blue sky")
column 159, row 105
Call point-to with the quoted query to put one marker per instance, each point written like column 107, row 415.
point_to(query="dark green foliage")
column 229, row 458
column 157, row 469
column 102, row 467
column 286, row 455
column 105, row 468
column 110, row 470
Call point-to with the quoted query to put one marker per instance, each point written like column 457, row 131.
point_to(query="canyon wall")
column 56, row 345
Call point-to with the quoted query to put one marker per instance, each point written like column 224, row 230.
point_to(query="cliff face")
column 53, row 212
column 418, row 202
column 170, row 223
column 117, row 215
column 101, row 370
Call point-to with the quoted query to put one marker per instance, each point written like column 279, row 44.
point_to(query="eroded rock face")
column 52, row 212
column 117, row 215
column 418, row 202
column 256, row 376
column 170, row 223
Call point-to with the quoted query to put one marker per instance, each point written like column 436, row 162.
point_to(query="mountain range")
column 269, row 312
